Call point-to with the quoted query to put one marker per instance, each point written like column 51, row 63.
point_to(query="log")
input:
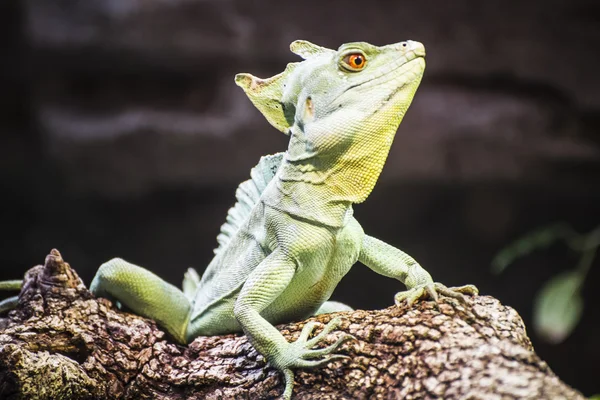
column 62, row 343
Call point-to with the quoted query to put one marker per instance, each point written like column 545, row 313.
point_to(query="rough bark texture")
column 61, row 343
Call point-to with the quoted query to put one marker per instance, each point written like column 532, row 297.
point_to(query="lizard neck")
column 307, row 201
column 301, row 194
column 344, row 173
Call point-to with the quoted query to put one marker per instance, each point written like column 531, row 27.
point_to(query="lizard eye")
column 354, row 61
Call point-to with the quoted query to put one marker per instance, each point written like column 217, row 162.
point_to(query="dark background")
column 123, row 134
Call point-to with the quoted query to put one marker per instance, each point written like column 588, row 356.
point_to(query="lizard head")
column 357, row 75
column 342, row 107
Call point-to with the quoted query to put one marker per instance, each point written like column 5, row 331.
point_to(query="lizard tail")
column 8, row 304
column 11, row 302
column 247, row 195
column 11, row 285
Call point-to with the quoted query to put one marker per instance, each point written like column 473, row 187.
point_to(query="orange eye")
column 355, row 61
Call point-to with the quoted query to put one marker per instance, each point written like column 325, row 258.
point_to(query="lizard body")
column 292, row 236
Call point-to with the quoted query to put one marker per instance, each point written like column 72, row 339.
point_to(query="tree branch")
column 61, row 343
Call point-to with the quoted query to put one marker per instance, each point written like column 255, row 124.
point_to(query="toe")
column 431, row 291
column 329, row 349
column 467, row 289
column 321, row 362
column 288, row 376
column 307, row 331
column 332, row 325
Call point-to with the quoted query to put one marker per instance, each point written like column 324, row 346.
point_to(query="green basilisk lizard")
column 291, row 236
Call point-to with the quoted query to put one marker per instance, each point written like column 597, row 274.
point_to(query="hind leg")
column 145, row 294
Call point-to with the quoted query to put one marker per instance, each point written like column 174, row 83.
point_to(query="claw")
column 299, row 354
column 433, row 290
column 288, row 377
column 327, row 350
column 322, row 362
column 458, row 292
column 307, row 331
column 332, row 325
column 466, row 289
column 452, row 294
column 409, row 296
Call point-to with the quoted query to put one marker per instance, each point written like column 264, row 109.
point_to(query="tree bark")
column 62, row 343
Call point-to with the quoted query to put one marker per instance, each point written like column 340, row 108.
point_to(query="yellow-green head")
column 342, row 108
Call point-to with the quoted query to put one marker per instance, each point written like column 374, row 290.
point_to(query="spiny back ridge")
column 247, row 194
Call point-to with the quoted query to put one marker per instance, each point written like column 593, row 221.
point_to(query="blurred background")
column 123, row 134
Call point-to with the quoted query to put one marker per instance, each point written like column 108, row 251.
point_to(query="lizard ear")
column 306, row 49
column 266, row 95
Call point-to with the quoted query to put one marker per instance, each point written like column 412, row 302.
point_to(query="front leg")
column 264, row 285
column 394, row 263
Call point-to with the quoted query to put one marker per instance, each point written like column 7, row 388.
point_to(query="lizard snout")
column 412, row 45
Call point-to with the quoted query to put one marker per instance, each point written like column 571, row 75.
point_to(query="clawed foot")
column 432, row 290
column 299, row 354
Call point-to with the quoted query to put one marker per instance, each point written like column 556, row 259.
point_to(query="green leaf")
column 527, row 244
column 558, row 306
column 595, row 397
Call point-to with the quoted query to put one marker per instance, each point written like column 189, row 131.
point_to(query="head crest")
column 306, row 49
column 266, row 94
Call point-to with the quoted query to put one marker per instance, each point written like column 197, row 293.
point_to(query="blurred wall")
column 123, row 134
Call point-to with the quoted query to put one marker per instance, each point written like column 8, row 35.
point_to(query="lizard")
column 292, row 236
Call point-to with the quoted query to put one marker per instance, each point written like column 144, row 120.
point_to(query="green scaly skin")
column 11, row 302
column 298, row 237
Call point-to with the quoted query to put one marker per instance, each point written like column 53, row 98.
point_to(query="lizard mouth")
column 408, row 72
column 405, row 73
